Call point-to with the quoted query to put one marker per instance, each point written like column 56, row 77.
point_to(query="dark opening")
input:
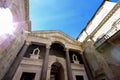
column 57, row 72
column 27, row 76
column 78, row 56
column 57, row 50
column 79, row 77
column 31, row 49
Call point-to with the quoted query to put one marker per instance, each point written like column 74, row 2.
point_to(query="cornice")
column 56, row 36
column 115, row 8
column 53, row 31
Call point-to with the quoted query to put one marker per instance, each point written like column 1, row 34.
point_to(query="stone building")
column 101, row 43
column 11, row 45
column 53, row 55
column 39, row 55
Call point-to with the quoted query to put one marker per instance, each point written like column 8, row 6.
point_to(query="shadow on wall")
column 98, row 65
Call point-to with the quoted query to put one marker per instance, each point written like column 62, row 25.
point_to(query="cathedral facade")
column 53, row 55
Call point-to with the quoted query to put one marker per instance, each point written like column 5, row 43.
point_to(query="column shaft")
column 88, row 72
column 68, row 66
column 45, row 65
column 10, row 74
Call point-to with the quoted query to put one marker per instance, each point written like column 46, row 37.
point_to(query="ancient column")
column 45, row 64
column 11, row 71
column 87, row 68
column 68, row 66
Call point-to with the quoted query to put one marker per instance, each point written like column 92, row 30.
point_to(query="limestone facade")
column 34, row 64
column 12, row 44
column 42, row 54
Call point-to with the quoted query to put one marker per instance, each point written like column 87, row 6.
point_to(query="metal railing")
column 105, row 37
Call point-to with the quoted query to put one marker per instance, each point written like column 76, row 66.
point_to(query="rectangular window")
column 27, row 76
column 79, row 77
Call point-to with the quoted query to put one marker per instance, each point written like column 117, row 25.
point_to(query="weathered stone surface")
column 10, row 46
column 9, row 53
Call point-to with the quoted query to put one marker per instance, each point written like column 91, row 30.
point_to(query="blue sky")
column 68, row 16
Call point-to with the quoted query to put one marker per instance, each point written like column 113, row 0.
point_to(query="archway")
column 57, row 72
column 57, row 49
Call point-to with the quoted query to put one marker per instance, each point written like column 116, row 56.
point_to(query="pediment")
column 55, row 35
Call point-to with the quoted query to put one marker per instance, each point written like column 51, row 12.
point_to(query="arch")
column 57, row 49
column 17, row 18
column 60, row 43
column 57, row 71
column 15, row 12
column 5, row 3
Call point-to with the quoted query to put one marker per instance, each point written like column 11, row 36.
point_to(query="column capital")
column 27, row 43
column 48, row 46
column 66, row 49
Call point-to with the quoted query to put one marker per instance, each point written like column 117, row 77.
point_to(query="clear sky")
column 68, row 16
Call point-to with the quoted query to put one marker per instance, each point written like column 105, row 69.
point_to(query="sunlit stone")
column 6, row 22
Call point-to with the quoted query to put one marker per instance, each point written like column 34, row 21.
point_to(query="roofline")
column 92, row 17
column 54, row 31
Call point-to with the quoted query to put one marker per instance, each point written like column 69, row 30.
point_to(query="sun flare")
column 6, row 22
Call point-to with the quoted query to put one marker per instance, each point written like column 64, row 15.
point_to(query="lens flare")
column 6, row 22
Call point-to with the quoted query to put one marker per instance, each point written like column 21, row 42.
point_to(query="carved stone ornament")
column 75, row 59
column 35, row 54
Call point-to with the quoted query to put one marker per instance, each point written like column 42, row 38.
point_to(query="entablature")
column 49, row 37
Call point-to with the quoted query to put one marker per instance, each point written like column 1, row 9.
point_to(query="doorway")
column 79, row 77
column 57, row 72
column 27, row 76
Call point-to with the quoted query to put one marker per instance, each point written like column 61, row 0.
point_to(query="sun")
column 6, row 22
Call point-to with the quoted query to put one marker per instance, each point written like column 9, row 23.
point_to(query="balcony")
column 107, row 36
